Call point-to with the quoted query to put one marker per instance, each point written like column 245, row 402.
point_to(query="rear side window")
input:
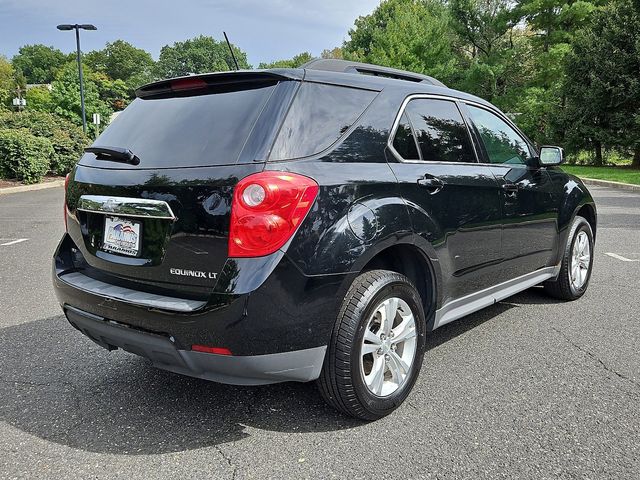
column 404, row 142
column 440, row 130
column 198, row 130
column 318, row 116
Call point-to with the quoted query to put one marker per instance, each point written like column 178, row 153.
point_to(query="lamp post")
column 77, row 28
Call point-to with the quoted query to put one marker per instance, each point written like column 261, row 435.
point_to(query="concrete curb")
column 29, row 188
column 610, row 184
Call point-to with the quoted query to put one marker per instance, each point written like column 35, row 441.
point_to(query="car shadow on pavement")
column 59, row 386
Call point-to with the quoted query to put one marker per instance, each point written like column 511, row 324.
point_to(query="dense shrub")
column 67, row 139
column 24, row 156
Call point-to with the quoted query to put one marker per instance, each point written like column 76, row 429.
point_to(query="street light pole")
column 84, row 115
column 77, row 28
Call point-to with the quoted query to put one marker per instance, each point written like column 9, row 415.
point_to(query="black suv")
column 307, row 224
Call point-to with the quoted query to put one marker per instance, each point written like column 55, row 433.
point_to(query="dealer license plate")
column 121, row 236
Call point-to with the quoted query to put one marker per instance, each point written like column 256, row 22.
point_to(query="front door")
column 453, row 201
column 530, row 215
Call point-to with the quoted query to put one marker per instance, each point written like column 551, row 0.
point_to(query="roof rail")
column 346, row 66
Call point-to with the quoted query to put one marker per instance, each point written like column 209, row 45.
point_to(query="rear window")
column 318, row 116
column 197, row 130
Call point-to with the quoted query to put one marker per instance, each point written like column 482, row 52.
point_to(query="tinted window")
column 503, row 143
column 319, row 115
column 404, row 142
column 441, row 131
column 186, row 131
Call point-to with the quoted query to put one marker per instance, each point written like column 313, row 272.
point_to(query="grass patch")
column 615, row 174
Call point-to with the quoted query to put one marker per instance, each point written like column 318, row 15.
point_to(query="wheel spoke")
column 574, row 271
column 582, row 244
column 371, row 337
column 369, row 348
column 375, row 379
column 398, row 367
column 390, row 309
column 405, row 330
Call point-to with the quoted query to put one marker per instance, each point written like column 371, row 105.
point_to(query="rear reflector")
column 213, row 350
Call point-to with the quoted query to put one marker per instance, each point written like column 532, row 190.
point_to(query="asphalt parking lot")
column 528, row 388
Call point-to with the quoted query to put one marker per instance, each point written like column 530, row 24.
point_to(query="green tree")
column 603, row 82
column 122, row 61
column 39, row 99
column 39, row 63
column 198, row 55
column 7, row 83
column 115, row 93
column 413, row 35
column 65, row 95
column 294, row 62
column 335, row 52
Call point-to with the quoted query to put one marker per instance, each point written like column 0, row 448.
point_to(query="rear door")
column 529, row 230
column 165, row 218
column 454, row 201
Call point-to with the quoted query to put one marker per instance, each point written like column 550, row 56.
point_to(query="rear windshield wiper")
column 114, row 154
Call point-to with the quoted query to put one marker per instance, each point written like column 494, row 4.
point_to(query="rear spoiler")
column 219, row 81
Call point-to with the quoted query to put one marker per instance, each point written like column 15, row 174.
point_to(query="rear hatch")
column 151, row 203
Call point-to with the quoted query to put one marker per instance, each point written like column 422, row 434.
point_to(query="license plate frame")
column 122, row 236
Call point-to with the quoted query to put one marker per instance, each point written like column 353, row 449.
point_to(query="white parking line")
column 13, row 242
column 620, row 257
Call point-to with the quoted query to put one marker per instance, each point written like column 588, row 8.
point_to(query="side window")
column 503, row 143
column 404, row 142
column 318, row 116
column 440, row 130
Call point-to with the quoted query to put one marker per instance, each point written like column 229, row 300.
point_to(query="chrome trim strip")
column 128, row 207
column 456, row 100
column 464, row 306
column 143, row 299
column 433, row 96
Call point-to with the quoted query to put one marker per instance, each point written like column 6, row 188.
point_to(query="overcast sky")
column 265, row 29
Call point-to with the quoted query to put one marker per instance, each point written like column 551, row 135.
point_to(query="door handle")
column 511, row 189
column 432, row 184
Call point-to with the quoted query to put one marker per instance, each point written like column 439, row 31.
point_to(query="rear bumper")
column 276, row 325
column 300, row 365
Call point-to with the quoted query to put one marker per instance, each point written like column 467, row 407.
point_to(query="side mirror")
column 550, row 156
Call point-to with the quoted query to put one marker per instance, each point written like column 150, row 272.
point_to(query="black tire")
column 341, row 382
column 562, row 287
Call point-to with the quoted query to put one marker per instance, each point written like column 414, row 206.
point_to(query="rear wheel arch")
column 408, row 260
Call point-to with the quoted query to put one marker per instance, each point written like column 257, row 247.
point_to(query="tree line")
column 567, row 71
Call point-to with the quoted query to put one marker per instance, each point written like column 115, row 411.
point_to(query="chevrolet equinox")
column 264, row 226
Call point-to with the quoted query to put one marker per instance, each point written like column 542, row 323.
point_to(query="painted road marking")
column 13, row 242
column 620, row 257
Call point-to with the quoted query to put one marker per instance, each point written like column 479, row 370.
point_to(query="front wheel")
column 577, row 261
column 377, row 346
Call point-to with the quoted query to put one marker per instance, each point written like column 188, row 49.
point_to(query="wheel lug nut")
column 386, row 357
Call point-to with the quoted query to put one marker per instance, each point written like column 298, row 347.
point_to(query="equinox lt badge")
column 193, row 273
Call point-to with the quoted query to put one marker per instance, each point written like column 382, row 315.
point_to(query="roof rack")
column 345, row 66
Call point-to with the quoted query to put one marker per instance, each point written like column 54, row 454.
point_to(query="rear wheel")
column 575, row 270
column 377, row 346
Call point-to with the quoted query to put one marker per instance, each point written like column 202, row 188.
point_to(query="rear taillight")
column 267, row 209
column 64, row 207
